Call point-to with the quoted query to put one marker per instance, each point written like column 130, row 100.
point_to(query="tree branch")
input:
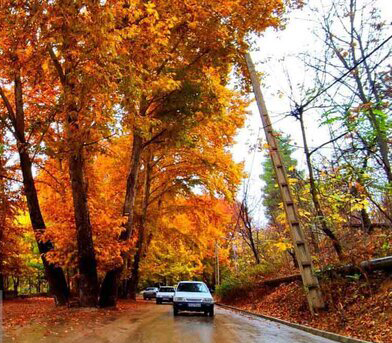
column 326, row 143
column 154, row 138
column 57, row 65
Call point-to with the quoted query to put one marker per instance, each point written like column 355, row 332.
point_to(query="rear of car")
column 150, row 293
column 193, row 296
column 165, row 294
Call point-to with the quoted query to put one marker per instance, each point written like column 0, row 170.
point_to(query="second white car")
column 165, row 294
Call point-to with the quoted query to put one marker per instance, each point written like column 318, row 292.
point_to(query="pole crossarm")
column 302, row 253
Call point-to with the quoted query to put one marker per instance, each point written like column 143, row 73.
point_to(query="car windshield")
column 192, row 287
column 166, row 289
column 150, row 288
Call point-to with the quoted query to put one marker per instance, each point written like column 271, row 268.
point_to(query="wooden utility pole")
column 309, row 279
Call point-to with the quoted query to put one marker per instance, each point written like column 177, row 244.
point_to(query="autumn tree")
column 183, row 242
column 75, row 72
column 190, row 152
column 186, row 50
column 23, row 110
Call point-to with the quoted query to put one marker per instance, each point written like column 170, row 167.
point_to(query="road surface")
column 153, row 323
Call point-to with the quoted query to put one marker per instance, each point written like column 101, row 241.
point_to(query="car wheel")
column 158, row 302
column 211, row 312
column 175, row 311
column 144, row 297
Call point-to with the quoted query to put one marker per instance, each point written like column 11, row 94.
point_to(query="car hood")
column 193, row 295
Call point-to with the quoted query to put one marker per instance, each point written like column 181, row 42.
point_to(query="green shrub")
column 236, row 285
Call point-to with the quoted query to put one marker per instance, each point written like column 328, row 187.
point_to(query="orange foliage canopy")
column 90, row 70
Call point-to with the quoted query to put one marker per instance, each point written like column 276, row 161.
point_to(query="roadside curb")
column 317, row 332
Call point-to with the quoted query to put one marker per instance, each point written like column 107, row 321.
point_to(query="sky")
column 272, row 47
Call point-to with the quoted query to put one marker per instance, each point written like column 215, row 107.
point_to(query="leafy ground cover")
column 355, row 308
column 40, row 311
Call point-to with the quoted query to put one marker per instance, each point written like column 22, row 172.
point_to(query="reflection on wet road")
column 225, row 327
column 152, row 323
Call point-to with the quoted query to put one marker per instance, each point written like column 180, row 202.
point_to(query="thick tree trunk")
column 313, row 191
column 141, row 244
column 137, row 148
column 88, row 276
column 109, row 289
column 88, row 290
column 134, row 280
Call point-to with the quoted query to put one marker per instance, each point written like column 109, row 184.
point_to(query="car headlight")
column 178, row 299
column 207, row 300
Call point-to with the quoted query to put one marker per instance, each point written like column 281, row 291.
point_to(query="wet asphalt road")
column 152, row 323
column 226, row 327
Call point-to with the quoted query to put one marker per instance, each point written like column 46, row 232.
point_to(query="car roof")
column 191, row 282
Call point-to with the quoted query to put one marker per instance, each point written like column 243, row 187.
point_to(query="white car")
column 193, row 296
column 150, row 293
column 165, row 293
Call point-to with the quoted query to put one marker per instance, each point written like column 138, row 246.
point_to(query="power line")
column 363, row 59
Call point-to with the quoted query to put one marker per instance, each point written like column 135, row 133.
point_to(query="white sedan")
column 165, row 293
column 193, row 296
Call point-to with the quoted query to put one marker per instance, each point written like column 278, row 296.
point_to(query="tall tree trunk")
column 88, row 290
column 53, row 273
column 88, row 276
column 110, row 284
column 141, row 244
column 137, row 148
column 314, row 193
column 134, row 279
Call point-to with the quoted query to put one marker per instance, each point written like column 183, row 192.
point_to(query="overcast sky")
column 297, row 37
